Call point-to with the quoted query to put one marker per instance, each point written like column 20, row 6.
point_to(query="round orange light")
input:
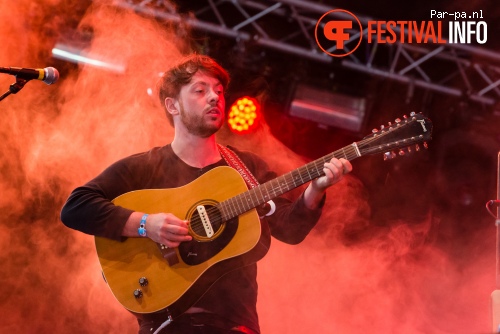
column 243, row 115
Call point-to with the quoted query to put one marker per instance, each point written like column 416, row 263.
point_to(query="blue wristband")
column 142, row 226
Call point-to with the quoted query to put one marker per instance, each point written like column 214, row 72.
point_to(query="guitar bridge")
column 205, row 220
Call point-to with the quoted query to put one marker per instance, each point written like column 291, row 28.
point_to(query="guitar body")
column 175, row 287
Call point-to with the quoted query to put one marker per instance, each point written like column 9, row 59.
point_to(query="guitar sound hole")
column 215, row 219
column 202, row 247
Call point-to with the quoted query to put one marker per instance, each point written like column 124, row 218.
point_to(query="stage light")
column 75, row 55
column 328, row 108
column 243, row 115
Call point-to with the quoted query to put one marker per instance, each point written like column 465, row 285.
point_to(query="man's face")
column 201, row 105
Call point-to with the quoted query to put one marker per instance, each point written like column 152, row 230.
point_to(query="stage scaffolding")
column 465, row 71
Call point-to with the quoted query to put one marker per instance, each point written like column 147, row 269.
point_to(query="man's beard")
column 196, row 125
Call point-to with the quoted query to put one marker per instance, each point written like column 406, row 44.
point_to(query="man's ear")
column 171, row 106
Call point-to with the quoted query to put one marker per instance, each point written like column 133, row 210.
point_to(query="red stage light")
column 243, row 115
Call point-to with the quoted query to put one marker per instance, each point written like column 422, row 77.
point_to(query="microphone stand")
column 14, row 88
column 495, row 295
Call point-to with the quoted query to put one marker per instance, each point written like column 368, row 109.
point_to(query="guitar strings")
column 215, row 212
column 304, row 173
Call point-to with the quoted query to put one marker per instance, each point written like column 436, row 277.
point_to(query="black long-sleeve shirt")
column 234, row 296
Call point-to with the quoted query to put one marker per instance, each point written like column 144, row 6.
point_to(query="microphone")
column 49, row 75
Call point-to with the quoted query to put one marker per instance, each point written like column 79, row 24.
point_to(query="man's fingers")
column 346, row 165
column 342, row 165
column 337, row 163
column 170, row 219
column 177, row 230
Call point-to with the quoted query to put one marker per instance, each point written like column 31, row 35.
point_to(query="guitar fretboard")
column 263, row 193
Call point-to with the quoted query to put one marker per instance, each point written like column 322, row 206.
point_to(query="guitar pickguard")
column 202, row 247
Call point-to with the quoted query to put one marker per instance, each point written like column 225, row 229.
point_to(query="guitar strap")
column 235, row 162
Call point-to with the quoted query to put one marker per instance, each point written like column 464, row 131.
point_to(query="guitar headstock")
column 407, row 133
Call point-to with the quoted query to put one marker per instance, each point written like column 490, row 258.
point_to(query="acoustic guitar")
column 146, row 277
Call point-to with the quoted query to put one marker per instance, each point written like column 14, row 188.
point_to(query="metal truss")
column 458, row 70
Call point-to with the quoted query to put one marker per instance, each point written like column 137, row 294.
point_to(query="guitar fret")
column 222, row 208
column 283, row 184
column 267, row 191
column 307, row 170
column 234, row 209
column 242, row 201
column 261, row 194
column 229, row 212
column 246, row 198
column 250, row 201
column 234, row 206
column 314, row 170
column 227, row 205
column 288, row 177
column 317, row 170
column 266, row 188
column 238, row 204
column 270, row 189
column 300, row 176
column 273, row 188
column 279, row 184
column 256, row 201
column 345, row 155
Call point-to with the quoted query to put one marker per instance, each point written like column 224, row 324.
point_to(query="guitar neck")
column 263, row 193
column 403, row 133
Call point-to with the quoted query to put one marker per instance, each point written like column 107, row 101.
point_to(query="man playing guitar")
column 192, row 93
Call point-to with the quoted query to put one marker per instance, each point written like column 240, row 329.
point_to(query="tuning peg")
column 397, row 120
column 401, row 152
column 408, row 149
column 389, row 155
column 417, row 147
column 374, row 131
column 382, row 127
column 405, row 117
column 412, row 114
column 425, row 145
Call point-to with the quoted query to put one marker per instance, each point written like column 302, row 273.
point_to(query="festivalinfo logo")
column 336, row 29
